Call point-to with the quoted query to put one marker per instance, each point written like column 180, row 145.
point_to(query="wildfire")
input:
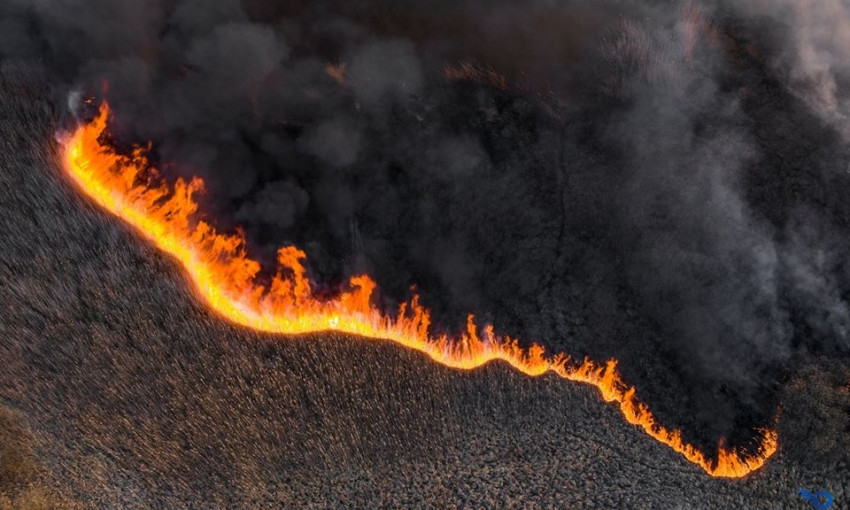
column 226, row 278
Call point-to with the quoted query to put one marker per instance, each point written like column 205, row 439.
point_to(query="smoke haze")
column 662, row 182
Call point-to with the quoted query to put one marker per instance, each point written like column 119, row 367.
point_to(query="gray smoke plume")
column 664, row 182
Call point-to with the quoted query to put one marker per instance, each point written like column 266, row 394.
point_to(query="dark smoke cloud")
column 662, row 182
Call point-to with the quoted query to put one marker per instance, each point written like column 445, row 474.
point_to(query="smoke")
column 662, row 182
column 814, row 61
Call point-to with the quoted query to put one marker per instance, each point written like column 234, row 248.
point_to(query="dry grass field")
column 121, row 390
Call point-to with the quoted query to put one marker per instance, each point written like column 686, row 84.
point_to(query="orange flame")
column 226, row 278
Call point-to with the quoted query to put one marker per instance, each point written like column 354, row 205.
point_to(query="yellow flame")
column 226, row 278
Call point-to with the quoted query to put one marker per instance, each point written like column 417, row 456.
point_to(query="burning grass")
column 226, row 278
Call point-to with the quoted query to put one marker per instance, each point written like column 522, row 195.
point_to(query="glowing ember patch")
column 225, row 277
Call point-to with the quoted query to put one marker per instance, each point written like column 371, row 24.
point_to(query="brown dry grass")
column 21, row 475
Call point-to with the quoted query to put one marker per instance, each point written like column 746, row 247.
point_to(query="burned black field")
column 136, row 396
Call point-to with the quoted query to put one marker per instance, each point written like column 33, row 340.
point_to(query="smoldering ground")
column 661, row 182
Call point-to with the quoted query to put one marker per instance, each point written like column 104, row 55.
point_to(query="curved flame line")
column 225, row 277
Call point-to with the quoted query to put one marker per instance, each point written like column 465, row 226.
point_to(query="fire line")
column 226, row 279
